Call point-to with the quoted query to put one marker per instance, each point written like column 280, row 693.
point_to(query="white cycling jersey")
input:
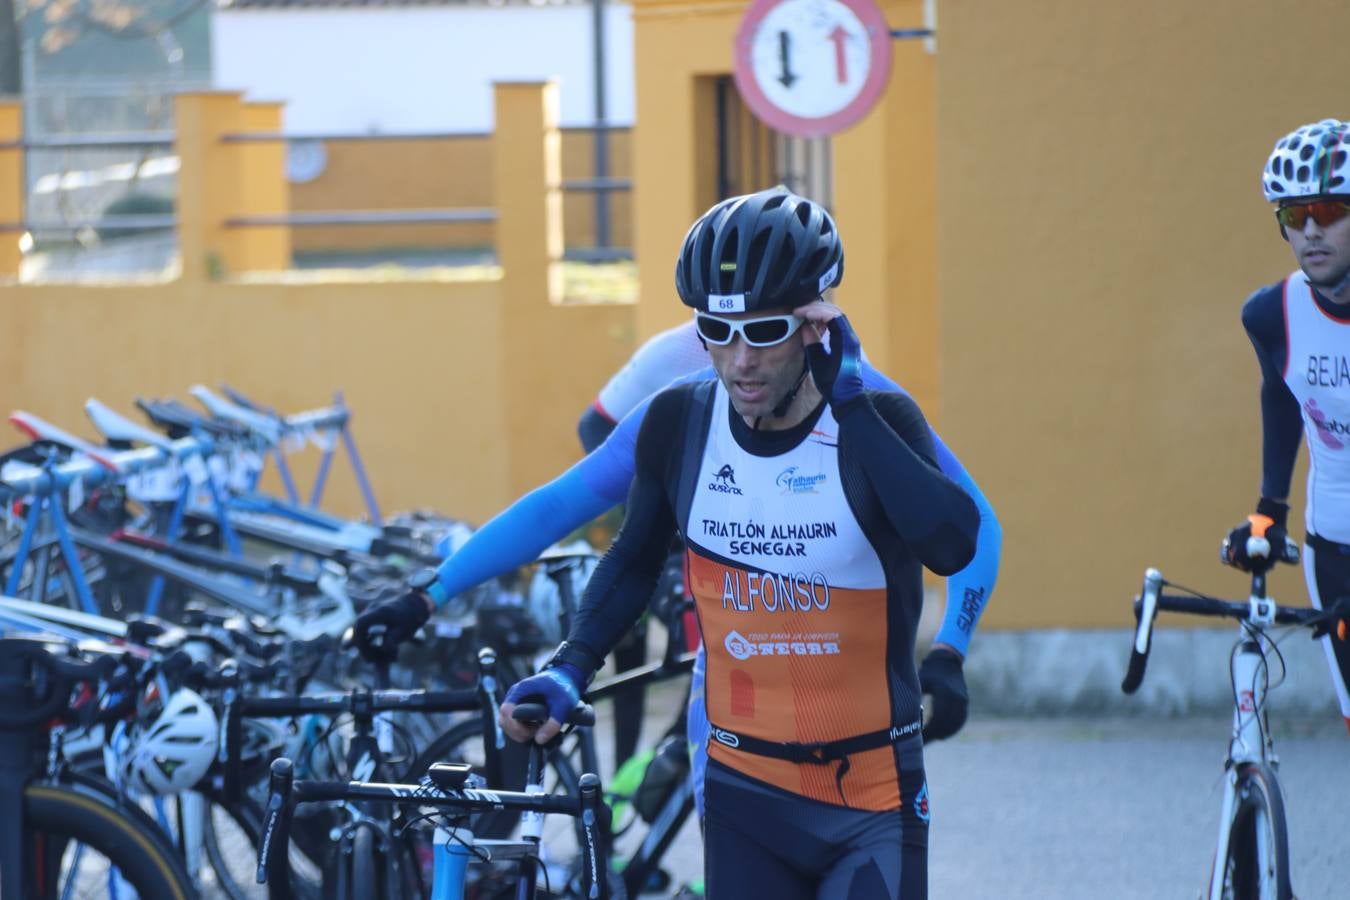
column 1318, row 375
column 663, row 358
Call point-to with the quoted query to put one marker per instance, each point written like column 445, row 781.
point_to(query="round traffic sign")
column 812, row 67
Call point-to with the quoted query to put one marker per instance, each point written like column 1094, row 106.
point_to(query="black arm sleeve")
column 1281, row 420
column 593, row 428
column 889, row 437
column 623, row 582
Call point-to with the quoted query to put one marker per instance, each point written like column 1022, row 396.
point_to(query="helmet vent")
column 1306, row 153
column 753, row 259
column 803, row 212
column 1304, row 173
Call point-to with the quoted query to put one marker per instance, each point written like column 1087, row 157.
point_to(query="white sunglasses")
column 762, row 332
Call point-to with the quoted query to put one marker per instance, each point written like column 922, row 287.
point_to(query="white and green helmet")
column 1310, row 161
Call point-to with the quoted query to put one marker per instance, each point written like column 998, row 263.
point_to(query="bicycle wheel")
column 75, row 836
column 1257, row 867
column 363, row 864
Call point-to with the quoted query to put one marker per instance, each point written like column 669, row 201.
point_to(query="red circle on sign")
column 879, row 40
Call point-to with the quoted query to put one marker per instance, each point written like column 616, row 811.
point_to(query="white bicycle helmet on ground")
column 173, row 752
column 1310, row 161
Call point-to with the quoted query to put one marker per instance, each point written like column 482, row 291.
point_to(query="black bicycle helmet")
column 760, row 251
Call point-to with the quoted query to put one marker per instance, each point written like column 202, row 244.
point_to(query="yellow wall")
column 417, row 361
column 1100, row 224
column 449, row 172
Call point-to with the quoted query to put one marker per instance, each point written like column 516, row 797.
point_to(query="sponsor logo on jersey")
column 791, row 481
column 971, row 604
column 1329, row 430
column 725, row 737
column 827, row 440
column 742, row 648
column 899, row 731
column 921, row 804
column 724, row 481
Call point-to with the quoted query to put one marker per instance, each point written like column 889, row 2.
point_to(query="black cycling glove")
column 940, row 677
column 379, row 630
column 1268, row 522
column 838, row 371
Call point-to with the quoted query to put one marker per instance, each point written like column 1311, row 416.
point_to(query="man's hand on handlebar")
column 1261, row 541
column 558, row 687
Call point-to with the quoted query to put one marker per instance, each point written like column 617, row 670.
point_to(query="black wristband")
column 578, row 655
column 1276, row 511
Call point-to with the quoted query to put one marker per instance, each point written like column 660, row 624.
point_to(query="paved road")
column 1112, row 808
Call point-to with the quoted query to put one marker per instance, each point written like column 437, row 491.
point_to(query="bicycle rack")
column 325, row 426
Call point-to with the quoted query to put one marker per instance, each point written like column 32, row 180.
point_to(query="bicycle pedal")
column 449, row 776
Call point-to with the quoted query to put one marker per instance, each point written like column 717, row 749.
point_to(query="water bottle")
column 667, row 770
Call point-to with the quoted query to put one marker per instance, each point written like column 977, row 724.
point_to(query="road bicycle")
column 1251, row 858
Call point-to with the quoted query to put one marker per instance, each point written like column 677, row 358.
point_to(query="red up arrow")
column 839, row 36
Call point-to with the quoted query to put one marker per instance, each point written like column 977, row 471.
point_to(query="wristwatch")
column 577, row 655
column 422, row 581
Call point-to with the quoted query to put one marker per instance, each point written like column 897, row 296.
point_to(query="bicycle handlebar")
column 284, row 793
column 1258, row 610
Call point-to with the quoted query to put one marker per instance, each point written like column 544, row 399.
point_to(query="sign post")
column 811, row 68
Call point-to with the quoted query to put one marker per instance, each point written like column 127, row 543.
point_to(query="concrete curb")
column 1062, row 672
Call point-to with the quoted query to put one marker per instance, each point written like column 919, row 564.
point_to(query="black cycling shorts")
column 763, row 842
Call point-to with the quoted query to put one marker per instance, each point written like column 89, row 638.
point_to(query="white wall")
column 401, row 69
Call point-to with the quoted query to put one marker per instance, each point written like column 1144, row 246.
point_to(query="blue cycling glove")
column 558, row 686
column 838, row 372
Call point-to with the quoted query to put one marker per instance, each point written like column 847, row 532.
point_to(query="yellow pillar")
column 885, row 203
column 11, row 186
column 264, row 191
column 527, row 181
column 209, row 181
column 681, row 47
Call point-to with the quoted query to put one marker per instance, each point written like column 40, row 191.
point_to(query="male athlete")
column 809, row 506
column 1300, row 328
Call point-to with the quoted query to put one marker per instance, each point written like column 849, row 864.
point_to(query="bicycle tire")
column 1257, row 864
column 55, row 816
column 363, row 864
